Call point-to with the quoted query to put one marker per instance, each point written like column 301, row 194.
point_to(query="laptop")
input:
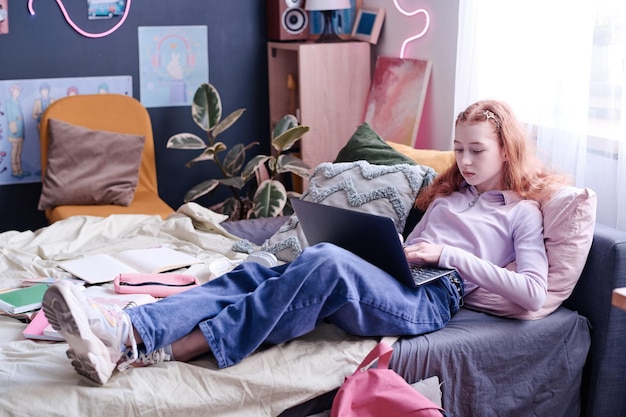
column 369, row 236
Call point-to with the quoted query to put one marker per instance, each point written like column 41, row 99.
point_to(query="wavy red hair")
column 523, row 172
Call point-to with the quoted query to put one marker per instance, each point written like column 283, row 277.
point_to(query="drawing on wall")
column 396, row 99
column 22, row 102
column 173, row 62
column 4, row 17
column 105, row 9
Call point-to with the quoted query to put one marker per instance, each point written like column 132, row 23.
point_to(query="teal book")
column 22, row 299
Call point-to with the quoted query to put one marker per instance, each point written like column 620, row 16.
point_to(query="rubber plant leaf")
column 231, row 207
column 236, row 182
column 208, row 154
column 228, row 122
column 201, row 189
column 293, row 164
column 235, row 158
column 206, row 107
column 250, row 169
column 269, row 199
column 186, row 141
column 287, row 122
column 285, row 140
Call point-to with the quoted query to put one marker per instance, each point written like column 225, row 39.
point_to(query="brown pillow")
column 89, row 167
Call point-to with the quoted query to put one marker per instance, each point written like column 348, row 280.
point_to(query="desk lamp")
column 327, row 7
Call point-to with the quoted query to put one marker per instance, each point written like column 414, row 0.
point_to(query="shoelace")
column 143, row 359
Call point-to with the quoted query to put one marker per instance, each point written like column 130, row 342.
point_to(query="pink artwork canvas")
column 396, row 98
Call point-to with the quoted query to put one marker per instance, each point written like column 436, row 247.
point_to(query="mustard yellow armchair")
column 104, row 113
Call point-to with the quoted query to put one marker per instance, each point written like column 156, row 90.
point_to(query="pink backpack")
column 380, row 392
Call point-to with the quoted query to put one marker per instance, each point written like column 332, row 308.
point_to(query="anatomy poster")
column 173, row 63
column 22, row 102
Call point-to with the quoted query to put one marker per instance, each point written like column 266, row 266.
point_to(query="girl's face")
column 479, row 156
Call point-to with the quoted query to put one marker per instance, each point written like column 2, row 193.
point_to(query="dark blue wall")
column 44, row 46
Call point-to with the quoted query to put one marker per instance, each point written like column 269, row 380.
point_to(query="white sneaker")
column 97, row 334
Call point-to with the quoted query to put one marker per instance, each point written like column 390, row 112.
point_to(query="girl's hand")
column 423, row 253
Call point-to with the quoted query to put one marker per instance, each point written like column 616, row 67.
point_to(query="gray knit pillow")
column 377, row 189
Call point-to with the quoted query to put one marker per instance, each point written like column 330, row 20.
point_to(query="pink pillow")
column 568, row 224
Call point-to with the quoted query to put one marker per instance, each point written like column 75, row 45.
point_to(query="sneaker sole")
column 89, row 356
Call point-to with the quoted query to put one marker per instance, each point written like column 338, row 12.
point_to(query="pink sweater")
column 482, row 235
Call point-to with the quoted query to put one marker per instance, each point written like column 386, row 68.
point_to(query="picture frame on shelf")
column 396, row 98
column 367, row 25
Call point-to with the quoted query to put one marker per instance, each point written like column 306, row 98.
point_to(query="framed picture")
column 396, row 99
column 367, row 25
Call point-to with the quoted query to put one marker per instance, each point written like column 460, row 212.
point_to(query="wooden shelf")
column 619, row 298
column 332, row 82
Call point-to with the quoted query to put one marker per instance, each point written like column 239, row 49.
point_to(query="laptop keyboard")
column 424, row 274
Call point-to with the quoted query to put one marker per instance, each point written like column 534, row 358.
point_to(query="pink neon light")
column 414, row 37
column 69, row 20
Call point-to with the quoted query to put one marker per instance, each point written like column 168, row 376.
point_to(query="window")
column 608, row 72
column 561, row 64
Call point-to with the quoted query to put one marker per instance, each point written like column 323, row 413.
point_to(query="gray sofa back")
column 603, row 390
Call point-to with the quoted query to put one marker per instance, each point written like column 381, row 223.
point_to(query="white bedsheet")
column 37, row 379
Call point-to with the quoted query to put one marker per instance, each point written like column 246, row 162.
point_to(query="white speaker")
column 287, row 20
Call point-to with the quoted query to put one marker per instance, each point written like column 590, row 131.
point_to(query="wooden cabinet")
column 326, row 86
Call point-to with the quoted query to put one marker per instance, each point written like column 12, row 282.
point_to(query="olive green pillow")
column 366, row 145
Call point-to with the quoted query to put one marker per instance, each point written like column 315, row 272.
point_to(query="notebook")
column 21, row 300
column 371, row 237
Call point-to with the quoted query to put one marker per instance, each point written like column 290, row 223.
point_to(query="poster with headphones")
column 173, row 62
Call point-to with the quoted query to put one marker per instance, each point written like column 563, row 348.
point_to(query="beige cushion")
column 378, row 189
column 568, row 222
column 437, row 160
column 88, row 166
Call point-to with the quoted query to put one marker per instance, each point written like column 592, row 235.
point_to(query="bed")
column 486, row 365
column 37, row 379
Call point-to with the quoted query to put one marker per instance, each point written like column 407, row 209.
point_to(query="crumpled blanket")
column 36, row 378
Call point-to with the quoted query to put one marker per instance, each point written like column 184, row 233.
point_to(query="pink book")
column 35, row 329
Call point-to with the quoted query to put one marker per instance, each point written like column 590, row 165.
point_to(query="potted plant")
column 270, row 196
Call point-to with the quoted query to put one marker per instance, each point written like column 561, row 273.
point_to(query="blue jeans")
column 253, row 305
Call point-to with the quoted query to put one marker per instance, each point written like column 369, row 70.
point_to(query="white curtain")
column 560, row 65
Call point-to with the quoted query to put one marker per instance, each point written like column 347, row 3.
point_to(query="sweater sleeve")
column 527, row 285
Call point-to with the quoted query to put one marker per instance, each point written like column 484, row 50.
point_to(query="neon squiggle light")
column 414, row 37
column 69, row 20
